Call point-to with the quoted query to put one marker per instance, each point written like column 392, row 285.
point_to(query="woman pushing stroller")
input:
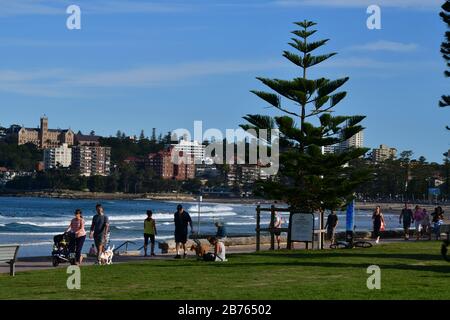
column 77, row 236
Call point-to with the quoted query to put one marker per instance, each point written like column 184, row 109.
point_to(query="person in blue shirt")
column 182, row 220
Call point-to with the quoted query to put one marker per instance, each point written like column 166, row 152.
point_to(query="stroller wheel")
column 55, row 261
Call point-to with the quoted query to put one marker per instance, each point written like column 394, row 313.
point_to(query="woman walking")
column 78, row 236
column 378, row 223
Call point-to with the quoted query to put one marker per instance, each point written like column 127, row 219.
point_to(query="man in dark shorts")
column 99, row 230
column 182, row 219
column 331, row 225
column 407, row 217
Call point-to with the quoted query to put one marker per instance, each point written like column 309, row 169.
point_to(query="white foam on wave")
column 219, row 208
column 32, row 244
column 29, row 234
column 45, row 224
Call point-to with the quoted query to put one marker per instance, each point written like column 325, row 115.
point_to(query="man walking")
column 182, row 219
column 407, row 216
column 99, row 230
column 331, row 225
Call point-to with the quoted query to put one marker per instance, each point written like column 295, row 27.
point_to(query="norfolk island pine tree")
column 445, row 50
column 309, row 180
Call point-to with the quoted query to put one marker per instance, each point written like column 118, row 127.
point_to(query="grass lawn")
column 408, row 271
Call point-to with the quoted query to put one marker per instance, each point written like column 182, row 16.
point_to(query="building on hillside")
column 43, row 137
column 383, row 153
column 92, row 160
column 86, row 140
column 60, row 157
column 245, row 175
column 357, row 141
column 165, row 167
column 191, row 148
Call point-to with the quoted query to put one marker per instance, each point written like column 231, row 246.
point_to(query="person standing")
column 426, row 224
column 78, row 236
column 407, row 216
column 221, row 230
column 182, row 220
column 438, row 220
column 418, row 216
column 149, row 233
column 278, row 223
column 99, row 230
column 378, row 223
column 331, row 225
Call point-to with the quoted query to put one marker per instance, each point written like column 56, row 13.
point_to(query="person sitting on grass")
column 149, row 233
column 219, row 251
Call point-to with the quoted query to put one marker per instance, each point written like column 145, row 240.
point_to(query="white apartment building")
column 357, row 141
column 60, row 157
column 191, row 149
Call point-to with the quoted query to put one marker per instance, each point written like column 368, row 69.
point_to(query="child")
column 149, row 233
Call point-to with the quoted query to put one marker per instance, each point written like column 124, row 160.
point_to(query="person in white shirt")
column 219, row 250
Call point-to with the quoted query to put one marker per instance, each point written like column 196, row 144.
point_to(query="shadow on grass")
column 444, row 269
column 350, row 254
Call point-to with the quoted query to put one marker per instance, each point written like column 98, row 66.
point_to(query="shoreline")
column 82, row 195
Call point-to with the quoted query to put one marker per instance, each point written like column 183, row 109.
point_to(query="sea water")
column 33, row 222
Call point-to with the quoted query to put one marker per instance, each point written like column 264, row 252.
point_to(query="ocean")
column 33, row 222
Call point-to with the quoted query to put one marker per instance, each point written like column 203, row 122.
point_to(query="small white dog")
column 107, row 256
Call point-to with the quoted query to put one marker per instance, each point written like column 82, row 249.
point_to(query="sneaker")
column 153, row 255
column 177, row 256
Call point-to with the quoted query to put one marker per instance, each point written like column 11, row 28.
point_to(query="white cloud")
column 384, row 45
column 363, row 3
column 61, row 82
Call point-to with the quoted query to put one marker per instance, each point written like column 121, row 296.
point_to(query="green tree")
column 309, row 180
column 445, row 50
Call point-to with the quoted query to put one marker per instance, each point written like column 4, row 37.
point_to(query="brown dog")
column 200, row 249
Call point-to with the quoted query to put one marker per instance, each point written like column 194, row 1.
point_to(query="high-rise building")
column 60, row 157
column 383, row 153
column 191, row 149
column 92, row 160
column 357, row 141
column 43, row 137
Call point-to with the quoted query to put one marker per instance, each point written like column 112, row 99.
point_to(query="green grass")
column 408, row 271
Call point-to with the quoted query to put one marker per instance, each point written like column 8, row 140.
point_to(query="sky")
column 139, row 64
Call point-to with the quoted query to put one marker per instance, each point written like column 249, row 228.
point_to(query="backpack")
column 209, row 257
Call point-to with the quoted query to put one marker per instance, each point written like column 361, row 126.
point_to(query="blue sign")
column 434, row 191
column 350, row 217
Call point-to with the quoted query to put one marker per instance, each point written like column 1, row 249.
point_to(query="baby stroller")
column 61, row 252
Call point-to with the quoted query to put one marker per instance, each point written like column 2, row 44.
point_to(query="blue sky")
column 142, row 64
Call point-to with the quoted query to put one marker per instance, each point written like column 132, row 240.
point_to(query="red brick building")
column 166, row 168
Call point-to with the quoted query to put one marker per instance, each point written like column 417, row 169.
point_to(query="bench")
column 8, row 254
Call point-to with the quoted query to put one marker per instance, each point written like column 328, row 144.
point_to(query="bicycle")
column 350, row 244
